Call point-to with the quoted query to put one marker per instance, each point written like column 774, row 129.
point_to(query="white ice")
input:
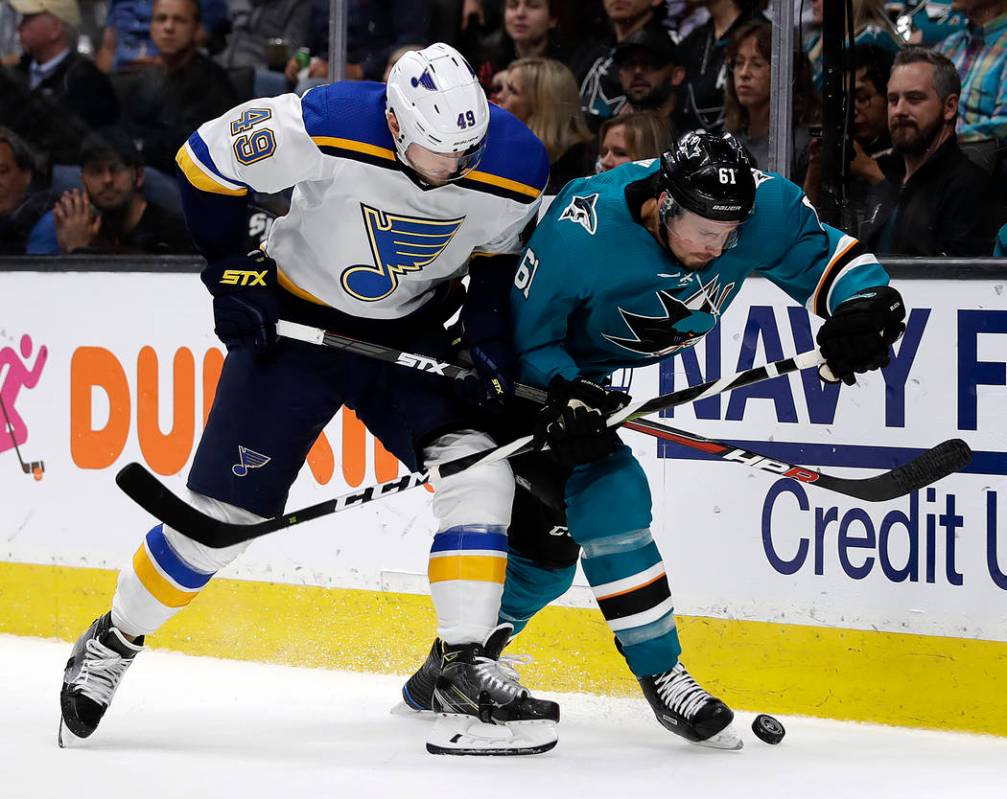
column 198, row 727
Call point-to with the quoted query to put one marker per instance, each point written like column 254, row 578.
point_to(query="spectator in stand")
column 264, row 34
column 632, row 137
column 22, row 199
column 940, row 203
column 870, row 25
column 650, row 72
column 600, row 93
column 746, row 102
column 542, row 93
column 1000, row 248
column 374, row 30
column 111, row 215
column 931, row 20
column 865, row 191
column 704, row 53
column 529, row 31
column 126, row 42
column 10, row 46
column 54, row 96
column 980, row 55
column 393, row 59
column 176, row 93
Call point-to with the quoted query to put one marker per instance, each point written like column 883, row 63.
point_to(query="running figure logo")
column 399, row 244
column 248, row 459
column 19, row 376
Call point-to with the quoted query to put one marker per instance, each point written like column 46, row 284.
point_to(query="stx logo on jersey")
column 421, row 364
column 399, row 244
column 581, row 210
column 243, row 277
column 248, row 459
column 682, row 323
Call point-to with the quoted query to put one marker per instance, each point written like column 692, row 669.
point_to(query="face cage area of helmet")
column 697, row 230
column 432, row 165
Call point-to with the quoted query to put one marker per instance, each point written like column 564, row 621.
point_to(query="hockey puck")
column 768, row 729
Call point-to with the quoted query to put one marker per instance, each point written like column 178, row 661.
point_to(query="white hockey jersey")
column 363, row 236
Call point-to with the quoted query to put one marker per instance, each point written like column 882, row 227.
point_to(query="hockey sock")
column 529, row 588
column 468, row 564
column 628, row 579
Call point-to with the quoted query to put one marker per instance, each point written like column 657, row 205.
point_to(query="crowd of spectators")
column 96, row 96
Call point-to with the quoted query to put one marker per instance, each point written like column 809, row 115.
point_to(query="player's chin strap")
column 145, row 489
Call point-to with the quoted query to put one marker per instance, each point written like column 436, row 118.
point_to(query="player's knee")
column 606, row 497
column 200, row 556
column 480, row 495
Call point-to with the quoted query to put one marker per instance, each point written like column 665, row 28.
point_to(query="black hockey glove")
column 856, row 338
column 572, row 422
column 245, row 302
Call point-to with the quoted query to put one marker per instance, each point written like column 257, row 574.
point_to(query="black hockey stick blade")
column 928, row 467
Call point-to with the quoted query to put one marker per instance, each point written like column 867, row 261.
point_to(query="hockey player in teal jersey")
column 630, row 267
column 627, row 268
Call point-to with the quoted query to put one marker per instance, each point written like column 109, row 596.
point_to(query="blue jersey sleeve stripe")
column 194, row 160
column 514, row 153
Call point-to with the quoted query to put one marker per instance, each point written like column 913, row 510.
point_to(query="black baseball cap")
column 110, row 143
column 659, row 44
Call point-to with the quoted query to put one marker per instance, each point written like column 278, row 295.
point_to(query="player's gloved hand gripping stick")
column 145, row 489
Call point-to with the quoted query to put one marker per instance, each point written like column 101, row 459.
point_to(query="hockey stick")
column 926, row 468
column 145, row 489
column 34, row 468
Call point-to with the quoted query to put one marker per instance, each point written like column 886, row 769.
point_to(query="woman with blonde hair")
column 632, row 137
column 543, row 94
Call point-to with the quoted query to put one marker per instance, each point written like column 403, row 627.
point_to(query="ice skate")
column 684, row 707
column 93, row 673
column 484, row 709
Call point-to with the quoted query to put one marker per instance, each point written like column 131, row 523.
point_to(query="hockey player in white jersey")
column 397, row 193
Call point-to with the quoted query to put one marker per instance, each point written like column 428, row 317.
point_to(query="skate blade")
column 66, row 739
column 465, row 735
column 727, row 738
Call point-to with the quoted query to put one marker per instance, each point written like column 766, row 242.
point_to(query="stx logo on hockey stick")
column 242, row 277
column 769, row 465
column 421, row 363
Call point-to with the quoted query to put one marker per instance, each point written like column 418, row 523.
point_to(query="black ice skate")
column 96, row 665
column 484, row 708
column 685, row 708
column 418, row 690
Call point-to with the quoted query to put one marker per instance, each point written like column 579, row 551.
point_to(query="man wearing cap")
column 54, row 96
column 650, row 72
column 111, row 214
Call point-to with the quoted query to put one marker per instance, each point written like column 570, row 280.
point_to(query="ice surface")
column 198, row 728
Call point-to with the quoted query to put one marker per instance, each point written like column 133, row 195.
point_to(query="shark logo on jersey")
column 581, row 210
column 683, row 323
column 399, row 244
column 248, row 459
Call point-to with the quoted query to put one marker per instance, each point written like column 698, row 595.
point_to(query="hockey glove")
column 572, row 422
column 856, row 338
column 493, row 383
column 245, row 303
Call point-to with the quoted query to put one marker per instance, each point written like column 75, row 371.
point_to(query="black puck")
column 768, row 729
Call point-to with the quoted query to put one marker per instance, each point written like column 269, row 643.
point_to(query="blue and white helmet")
column 439, row 104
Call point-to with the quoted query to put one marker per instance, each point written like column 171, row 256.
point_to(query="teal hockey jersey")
column 595, row 292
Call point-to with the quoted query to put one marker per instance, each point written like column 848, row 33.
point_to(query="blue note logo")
column 248, row 459
column 399, row 244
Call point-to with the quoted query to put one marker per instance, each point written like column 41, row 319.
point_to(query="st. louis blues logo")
column 426, row 80
column 682, row 323
column 248, row 459
column 399, row 244
column 581, row 210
